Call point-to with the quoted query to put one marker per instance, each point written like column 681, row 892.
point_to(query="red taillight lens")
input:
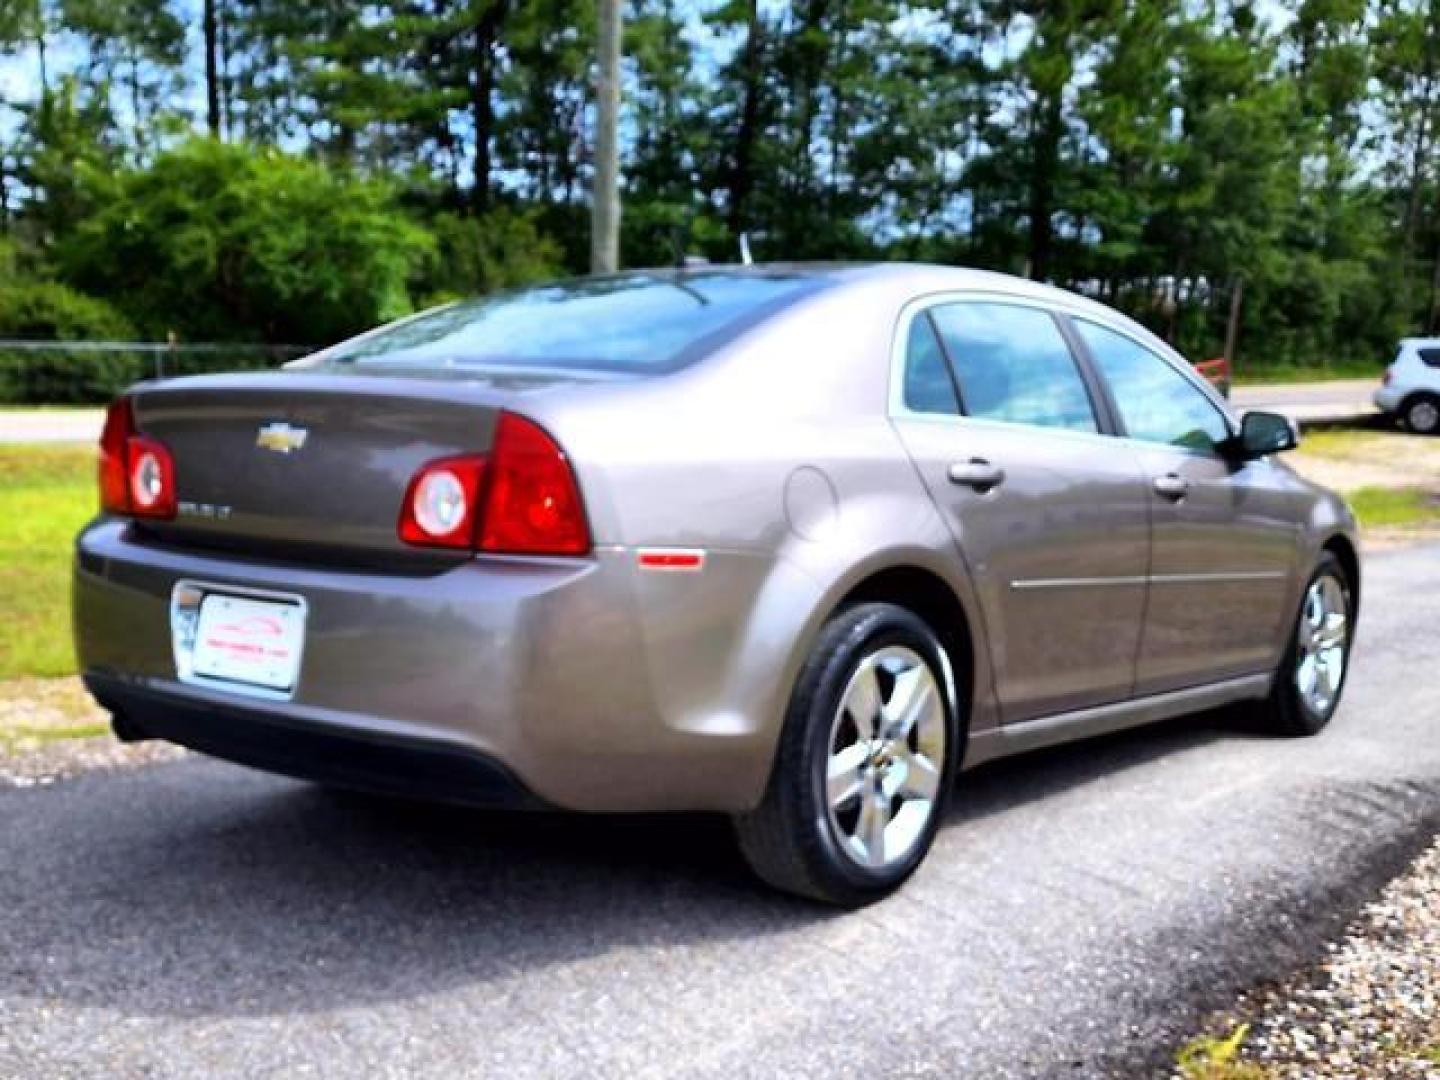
column 137, row 473
column 519, row 499
column 442, row 502
column 1387, row 378
column 114, row 471
column 152, row 478
column 532, row 503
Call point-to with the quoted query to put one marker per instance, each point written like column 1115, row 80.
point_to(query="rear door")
column 1225, row 535
column 1049, row 513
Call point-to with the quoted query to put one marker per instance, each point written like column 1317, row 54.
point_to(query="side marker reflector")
column 671, row 559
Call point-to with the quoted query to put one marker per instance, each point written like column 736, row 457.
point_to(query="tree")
column 247, row 245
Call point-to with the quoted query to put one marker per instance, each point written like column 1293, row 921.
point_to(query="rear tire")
column 865, row 763
column 1311, row 676
column 1421, row 414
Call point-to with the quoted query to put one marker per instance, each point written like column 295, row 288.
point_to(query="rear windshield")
column 631, row 324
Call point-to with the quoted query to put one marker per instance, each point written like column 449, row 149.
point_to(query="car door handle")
column 1172, row 487
column 977, row 473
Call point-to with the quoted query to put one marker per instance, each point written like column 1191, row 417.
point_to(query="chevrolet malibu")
column 795, row 544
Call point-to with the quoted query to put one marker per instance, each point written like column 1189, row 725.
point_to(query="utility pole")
column 605, row 209
column 1232, row 325
column 212, row 69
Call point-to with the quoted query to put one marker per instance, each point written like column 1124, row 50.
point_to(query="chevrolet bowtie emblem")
column 281, row 437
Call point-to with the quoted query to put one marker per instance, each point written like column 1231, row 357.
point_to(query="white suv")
column 1410, row 387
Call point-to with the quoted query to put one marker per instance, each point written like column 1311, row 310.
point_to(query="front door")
column 1050, row 515
column 1224, row 536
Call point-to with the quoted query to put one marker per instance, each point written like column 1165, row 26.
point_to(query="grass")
column 1380, row 507
column 1347, row 443
column 1294, row 373
column 46, row 495
column 1210, row 1058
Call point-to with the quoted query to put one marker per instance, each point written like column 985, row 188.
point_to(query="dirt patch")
column 1348, row 459
column 51, row 729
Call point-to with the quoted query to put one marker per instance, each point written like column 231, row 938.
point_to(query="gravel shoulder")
column 1370, row 1009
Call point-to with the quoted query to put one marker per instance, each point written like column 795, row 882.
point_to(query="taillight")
column 442, row 502
column 519, row 499
column 532, row 503
column 1387, row 378
column 114, row 471
column 152, row 478
column 137, row 473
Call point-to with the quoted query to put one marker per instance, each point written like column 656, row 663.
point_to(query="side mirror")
column 1263, row 433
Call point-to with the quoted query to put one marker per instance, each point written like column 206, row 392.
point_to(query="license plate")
column 243, row 640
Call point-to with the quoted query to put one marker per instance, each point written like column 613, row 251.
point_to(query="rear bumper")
column 446, row 772
column 586, row 684
column 1387, row 398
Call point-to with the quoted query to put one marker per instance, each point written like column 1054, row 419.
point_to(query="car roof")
column 917, row 277
column 909, row 280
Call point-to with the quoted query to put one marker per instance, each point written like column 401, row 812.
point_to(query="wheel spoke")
column 870, row 828
column 1305, row 676
column 842, row 781
column 863, row 701
column 1332, row 633
column 1331, row 665
column 913, row 698
column 922, row 778
column 1306, row 633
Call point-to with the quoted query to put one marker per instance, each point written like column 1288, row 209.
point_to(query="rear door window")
column 1156, row 402
column 928, row 385
column 1430, row 355
column 1013, row 364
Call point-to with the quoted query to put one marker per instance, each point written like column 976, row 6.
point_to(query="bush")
column 47, row 311
column 231, row 243
column 96, row 376
column 503, row 249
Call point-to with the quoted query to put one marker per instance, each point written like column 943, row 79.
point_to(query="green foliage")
column 499, row 250
column 47, row 311
column 236, row 244
column 1157, row 154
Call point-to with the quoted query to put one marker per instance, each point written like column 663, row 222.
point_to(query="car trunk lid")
column 300, row 464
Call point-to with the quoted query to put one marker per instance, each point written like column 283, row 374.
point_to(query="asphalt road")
column 51, row 425
column 1081, row 907
column 1337, row 400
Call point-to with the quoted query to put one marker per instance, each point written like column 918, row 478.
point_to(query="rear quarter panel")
column 778, row 459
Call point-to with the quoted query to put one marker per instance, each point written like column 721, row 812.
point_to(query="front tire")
column 865, row 762
column 1311, row 677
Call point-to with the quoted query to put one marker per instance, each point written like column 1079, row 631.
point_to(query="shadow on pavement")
column 201, row 889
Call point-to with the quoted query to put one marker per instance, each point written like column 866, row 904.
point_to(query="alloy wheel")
column 886, row 757
column 1320, row 644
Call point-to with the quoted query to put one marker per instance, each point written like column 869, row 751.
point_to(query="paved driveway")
column 1339, row 400
column 50, row 425
column 1080, row 906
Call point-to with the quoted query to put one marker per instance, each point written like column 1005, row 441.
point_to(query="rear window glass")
column 635, row 323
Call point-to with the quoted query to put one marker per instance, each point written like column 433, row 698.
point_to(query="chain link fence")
column 94, row 372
